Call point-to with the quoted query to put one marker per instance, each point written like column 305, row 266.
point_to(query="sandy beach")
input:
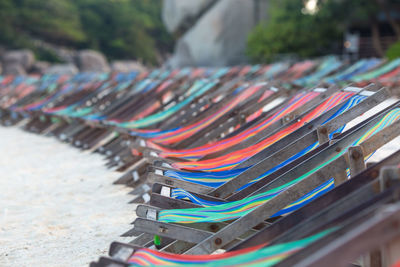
column 58, row 206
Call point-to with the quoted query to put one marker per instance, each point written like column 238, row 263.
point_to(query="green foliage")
column 119, row 28
column 53, row 20
column 289, row 30
column 46, row 55
column 394, row 51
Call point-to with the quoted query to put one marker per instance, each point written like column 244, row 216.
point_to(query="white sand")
column 58, row 206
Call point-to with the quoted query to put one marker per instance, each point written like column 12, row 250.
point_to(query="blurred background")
column 38, row 36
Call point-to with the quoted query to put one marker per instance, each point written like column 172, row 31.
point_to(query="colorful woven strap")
column 253, row 256
column 199, row 88
column 198, row 152
column 185, row 132
column 231, row 160
column 359, row 67
column 378, row 72
column 236, row 209
column 217, row 178
column 329, row 65
column 180, row 133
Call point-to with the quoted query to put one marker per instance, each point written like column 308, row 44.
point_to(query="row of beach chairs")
column 253, row 165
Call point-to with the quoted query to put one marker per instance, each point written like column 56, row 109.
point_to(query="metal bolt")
column 213, row 227
column 355, row 154
column 374, row 174
column 162, row 229
column 218, row 241
column 323, row 130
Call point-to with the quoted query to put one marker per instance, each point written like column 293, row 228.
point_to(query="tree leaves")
column 119, row 28
column 291, row 31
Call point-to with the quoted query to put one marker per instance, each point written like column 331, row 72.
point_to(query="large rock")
column 127, row 66
column 63, row 69
column 13, row 69
column 92, row 61
column 66, row 55
column 177, row 12
column 40, row 67
column 218, row 38
column 182, row 56
column 2, row 51
column 23, row 58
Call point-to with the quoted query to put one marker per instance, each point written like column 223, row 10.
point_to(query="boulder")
column 175, row 13
column 63, row 69
column 40, row 67
column 127, row 66
column 2, row 51
column 13, row 69
column 23, row 58
column 218, row 37
column 182, row 56
column 92, row 61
